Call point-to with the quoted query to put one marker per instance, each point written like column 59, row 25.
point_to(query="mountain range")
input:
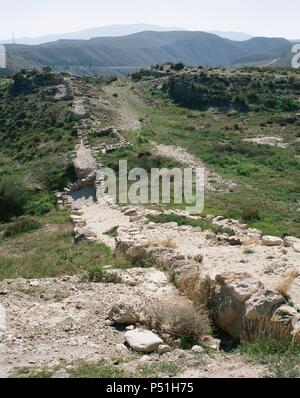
column 126, row 53
column 86, row 34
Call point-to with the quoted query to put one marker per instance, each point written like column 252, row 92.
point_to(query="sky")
column 35, row 18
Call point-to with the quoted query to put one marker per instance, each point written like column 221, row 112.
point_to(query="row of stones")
column 241, row 305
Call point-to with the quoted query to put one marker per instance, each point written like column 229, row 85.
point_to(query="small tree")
column 13, row 196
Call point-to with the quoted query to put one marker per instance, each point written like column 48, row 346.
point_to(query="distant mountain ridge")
column 231, row 35
column 89, row 33
column 95, row 56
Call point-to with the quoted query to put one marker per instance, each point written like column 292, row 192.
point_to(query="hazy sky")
column 257, row 17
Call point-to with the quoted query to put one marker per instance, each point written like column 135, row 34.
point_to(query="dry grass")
column 197, row 289
column 266, row 329
column 178, row 318
column 286, row 284
column 168, row 243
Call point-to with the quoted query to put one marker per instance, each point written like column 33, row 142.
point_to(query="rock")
column 241, row 286
column 210, row 342
column 130, row 212
column 194, row 213
column 109, row 323
column 123, row 314
column 2, row 319
column 143, row 340
column 164, row 349
column 286, row 316
column 296, row 247
column 290, row 240
column 137, row 254
column 131, row 327
column 198, row 349
column 262, row 305
column 272, row 241
column 230, row 291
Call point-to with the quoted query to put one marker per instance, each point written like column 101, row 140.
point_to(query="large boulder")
column 143, row 340
column 123, row 314
column 229, row 295
column 272, row 241
column 262, row 305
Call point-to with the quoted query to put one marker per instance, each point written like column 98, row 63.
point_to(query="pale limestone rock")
column 164, row 349
column 198, row 349
column 262, row 305
column 272, row 241
column 143, row 340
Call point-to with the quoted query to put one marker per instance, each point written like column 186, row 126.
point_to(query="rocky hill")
column 115, row 54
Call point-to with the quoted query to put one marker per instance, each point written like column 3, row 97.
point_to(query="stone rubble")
column 236, row 296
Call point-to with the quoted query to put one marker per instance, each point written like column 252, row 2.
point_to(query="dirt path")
column 213, row 181
column 122, row 101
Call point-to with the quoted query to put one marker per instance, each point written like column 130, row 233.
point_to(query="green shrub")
column 250, row 214
column 13, row 196
column 54, row 176
column 21, row 226
column 40, row 204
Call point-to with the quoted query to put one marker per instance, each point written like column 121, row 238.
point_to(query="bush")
column 40, row 205
column 55, row 175
column 13, row 196
column 21, row 226
column 250, row 214
column 179, row 319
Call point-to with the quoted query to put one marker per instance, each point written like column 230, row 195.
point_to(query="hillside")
column 94, row 288
column 123, row 54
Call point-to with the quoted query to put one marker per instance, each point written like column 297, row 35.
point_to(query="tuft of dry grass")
column 197, row 289
column 286, row 284
column 265, row 329
column 168, row 243
column 179, row 319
